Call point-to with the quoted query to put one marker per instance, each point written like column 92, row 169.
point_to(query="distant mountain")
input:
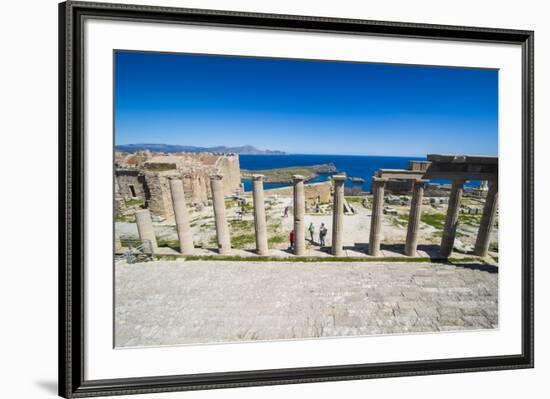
column 245, row 149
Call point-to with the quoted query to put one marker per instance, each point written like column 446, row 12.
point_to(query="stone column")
column 182, row 217
column 338, row 214
column 451, row 220
column 218, row 200
column 259, row 214
column 414, row 218
column 487, row 220
column 299, row 215
column 145, row 229
column 378, row 185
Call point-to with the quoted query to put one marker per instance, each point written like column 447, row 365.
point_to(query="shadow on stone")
column 358, row 246
column 325, row 249
column 398, row 249
column 213, row 250
column 476, row 266
column 431, row 249
column 288, row 251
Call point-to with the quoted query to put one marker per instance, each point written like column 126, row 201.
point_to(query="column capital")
column 216, row 176
column 298, row 178
column 379, row 179
column 339, row 178
column 257, row 177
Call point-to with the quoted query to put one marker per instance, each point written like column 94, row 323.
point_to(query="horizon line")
column 304, row 153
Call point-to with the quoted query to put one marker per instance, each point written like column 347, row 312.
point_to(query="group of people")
column 311, row 229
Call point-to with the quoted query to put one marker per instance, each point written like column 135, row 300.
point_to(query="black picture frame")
column 72, row 383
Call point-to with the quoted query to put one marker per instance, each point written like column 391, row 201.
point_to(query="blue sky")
column 299, row 106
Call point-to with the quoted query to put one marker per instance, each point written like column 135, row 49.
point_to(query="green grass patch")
column 133, row 202
column 400, row 220
column 125, row 218
column 277, row 239
column 242, row 233
column 242, row 240
column 284, row 175
column 436, row 236
column 213, row 241
column 230, row 203
column 127, row 242
column 436, row 220
column 241, row 224
column 355, row 199
column 173, row 244
column 470, row 220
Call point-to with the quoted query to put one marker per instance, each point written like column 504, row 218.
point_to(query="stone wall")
column 230, row 169
column 128, row 178
column 151, row 179
column 315, row 192
column 159, row 199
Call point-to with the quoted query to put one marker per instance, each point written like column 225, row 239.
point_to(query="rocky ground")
column 184, row 302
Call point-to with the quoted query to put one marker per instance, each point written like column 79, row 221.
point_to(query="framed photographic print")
column 252, row 199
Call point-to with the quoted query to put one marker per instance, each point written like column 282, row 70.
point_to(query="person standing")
column 322, row 234
column 291, row 239
column 311, row 229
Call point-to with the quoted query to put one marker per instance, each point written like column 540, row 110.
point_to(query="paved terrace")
column 184, row 302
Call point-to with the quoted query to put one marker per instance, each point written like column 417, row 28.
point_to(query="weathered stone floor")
column 183, row 302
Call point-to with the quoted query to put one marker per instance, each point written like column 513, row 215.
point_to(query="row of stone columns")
column 411, row 243
column 337, row 215
column 183, row 226
column 451, row 219
column 146, row 231
column 483, row 238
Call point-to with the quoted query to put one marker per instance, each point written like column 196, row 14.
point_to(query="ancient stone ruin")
column 148, row 176
column 172, row 182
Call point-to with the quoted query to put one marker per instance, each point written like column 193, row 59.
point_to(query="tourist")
column 311, row 229
column 322, row 234
column 286, row 212
column 291, row 239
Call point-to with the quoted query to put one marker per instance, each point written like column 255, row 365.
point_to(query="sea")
column 359, row 166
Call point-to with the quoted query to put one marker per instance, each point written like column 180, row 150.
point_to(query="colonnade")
column 413, row 226
column 146, row 231
column 451, row 219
